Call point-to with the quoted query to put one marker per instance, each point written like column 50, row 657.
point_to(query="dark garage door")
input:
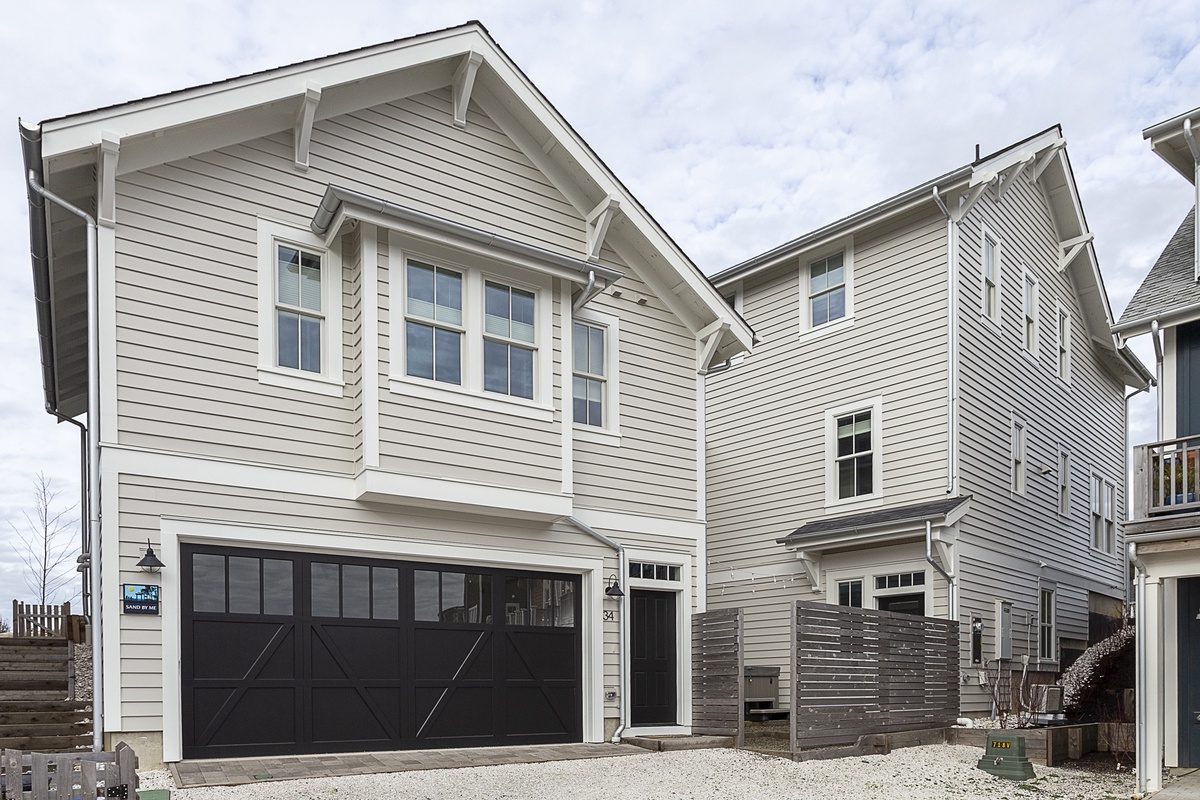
column 303, row 653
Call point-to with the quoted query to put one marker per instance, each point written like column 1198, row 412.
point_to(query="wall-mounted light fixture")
column 613, row 590
column 150, row 562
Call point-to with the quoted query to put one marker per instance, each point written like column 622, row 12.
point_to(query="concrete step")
column 665, row 743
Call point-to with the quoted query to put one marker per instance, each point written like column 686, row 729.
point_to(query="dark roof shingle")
column 875, row 519
column 1171, row 283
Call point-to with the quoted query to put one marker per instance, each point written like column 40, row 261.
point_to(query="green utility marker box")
column 154, row 794
column 1005, row 757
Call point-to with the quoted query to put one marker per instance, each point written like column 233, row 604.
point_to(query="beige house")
column 401, row 384
column 931, row 423
column 1164, row 528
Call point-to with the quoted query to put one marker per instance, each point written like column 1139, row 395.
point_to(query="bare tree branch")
column 48, row 543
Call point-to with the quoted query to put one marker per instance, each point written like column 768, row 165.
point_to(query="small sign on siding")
column 140, row 598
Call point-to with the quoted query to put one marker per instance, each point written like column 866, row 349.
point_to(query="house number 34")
column 610, row 616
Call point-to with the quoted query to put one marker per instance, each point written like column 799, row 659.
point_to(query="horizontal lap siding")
column 766, row 416
column 1011, row 535
column 653, row 471
column 187, row 275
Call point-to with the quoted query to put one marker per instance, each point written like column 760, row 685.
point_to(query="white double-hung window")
column 433, row 323
column 299, row 316
column 299, row 309
column 1104, row 525
column 853, row 460
column 991, row 277
column 589, row 378
column 827, row 289
column 508, row 340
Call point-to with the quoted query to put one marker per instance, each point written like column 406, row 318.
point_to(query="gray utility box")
column 761, row 685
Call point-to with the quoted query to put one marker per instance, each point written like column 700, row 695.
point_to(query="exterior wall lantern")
column 613, row 590
column 150, row 562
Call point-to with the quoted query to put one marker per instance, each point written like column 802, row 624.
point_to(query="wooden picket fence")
column 33, row 621
column 76, row 776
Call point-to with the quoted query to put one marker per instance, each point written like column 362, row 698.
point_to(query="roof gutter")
column 337, row 196
column 93, row 410
column 39, row 253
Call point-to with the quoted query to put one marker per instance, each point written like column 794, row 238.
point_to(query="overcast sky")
column 739, row 125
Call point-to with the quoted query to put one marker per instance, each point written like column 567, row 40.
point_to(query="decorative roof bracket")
column 106, row 179
column 1046, row 159
column 812, row 568
column 710, row 337
column 598, row 221
column 464, row 82
column 306, row 114
column 1072, row 248
column 1013, row 174
column 968, row 201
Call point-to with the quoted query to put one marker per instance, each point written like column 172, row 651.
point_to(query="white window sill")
column 863, row 501
column 597, row 435
column 302, row 381
column 828, row 329
column 458, row 396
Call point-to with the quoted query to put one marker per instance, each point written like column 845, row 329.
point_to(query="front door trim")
column 684, row 606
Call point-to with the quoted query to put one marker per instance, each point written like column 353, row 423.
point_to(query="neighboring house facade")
column 1164, row 527
column 401, row 384
column 932, row 421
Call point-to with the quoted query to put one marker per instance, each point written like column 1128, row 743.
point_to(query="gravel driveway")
column 938, row 771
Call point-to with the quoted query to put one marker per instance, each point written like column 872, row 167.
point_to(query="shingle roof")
column 1171, row 282
column 918, row 512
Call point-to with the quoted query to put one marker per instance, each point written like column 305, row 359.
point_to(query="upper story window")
column 1029, row 304
column 299, row 310
column 299, row 318
column 1017, row 482
column 827, row 289
column 596, row 376
column 853, row 461
column 1064, row 483
column 1104, row 504
column 589, row 374
column 990, row 298
column 464, row 335
column 508, row 340
column 1064, row 344
column 433, row 323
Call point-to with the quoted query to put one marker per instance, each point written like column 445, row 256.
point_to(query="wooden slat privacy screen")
column 717, row 665
column 858, row 671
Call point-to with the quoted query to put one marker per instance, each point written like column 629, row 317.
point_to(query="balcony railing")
column 1166, row 478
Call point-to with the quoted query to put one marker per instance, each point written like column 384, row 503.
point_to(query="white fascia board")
column 452, row 495
column 986, row 171
column 154, row 115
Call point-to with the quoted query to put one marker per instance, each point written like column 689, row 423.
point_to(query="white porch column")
column 1151, row 629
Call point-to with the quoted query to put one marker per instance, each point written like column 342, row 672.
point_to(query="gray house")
column 931, row 423
column 400, row 383
column 1164, row 528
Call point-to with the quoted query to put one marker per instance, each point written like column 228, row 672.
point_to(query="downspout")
column 1142, row 650
column 1190, row 138
column 623, row 634
column 951, row 583
column 84, row 528
column 93, row 446
column 1158, row 373
column 951, row 345
column 588, row 292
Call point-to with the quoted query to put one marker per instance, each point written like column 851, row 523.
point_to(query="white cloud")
column 738, row 125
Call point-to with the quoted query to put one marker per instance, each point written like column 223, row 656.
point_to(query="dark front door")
column 1189, row 676
column 306, row 653
column 652, row 663
column 1187, row 379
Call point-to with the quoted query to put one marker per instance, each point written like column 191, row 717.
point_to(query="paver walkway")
column 1187, row 787
column 237, row 771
